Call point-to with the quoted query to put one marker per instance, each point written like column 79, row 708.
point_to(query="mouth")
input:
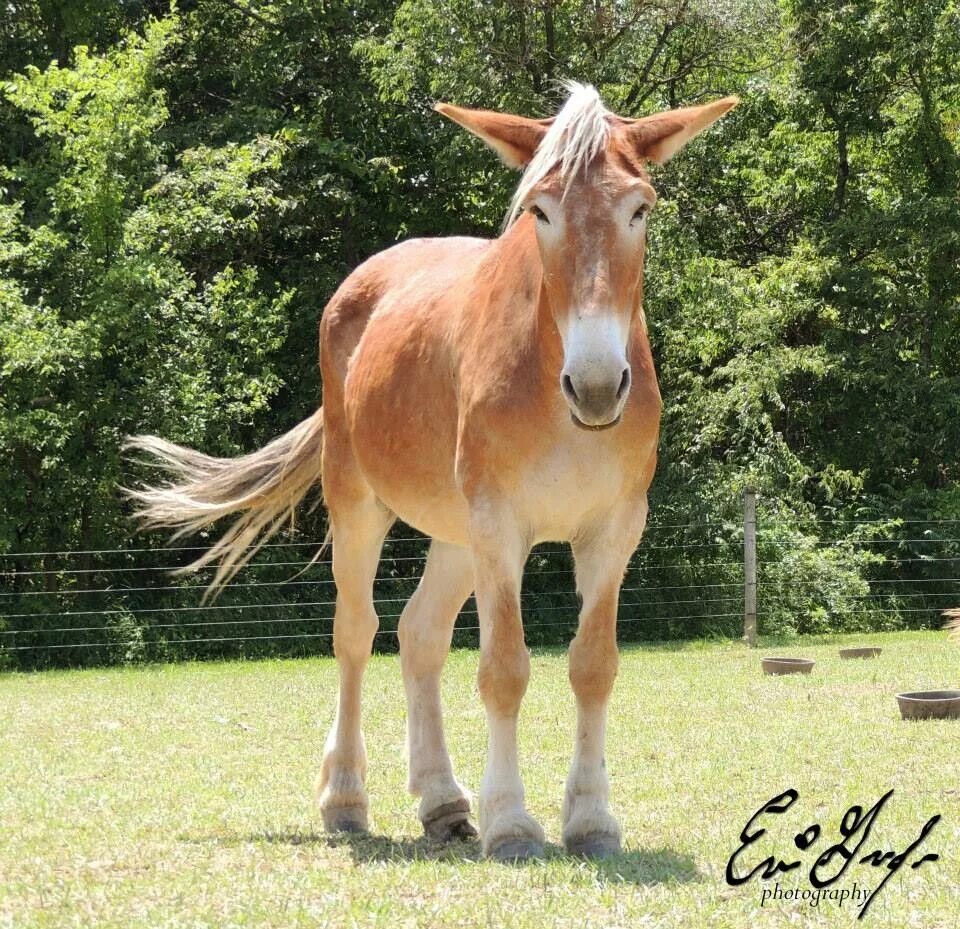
column 582, row 425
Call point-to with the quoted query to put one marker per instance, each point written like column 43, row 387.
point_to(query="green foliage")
column 110, row 323
column 181, row 192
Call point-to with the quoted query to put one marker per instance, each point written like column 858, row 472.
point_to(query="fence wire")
column 686, row 579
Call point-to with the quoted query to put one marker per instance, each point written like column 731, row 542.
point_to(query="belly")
column 412, row 473
column 401, row 410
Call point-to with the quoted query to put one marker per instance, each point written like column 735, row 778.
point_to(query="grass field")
column 181, row 795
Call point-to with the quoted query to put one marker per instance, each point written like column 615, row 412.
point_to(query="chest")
column 575, row 484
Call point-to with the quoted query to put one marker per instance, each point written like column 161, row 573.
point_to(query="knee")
column 503, row 676
column 593, row 666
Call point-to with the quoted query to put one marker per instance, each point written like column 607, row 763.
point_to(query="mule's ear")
column 659, row 137
column 513, row 138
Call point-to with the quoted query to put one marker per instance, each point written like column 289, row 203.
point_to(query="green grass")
column 181, row 795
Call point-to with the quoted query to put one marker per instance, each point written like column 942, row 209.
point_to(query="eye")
column 641, row 213
column 539, row 214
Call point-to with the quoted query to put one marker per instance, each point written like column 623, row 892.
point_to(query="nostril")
column 567, row 385
column 624, row 383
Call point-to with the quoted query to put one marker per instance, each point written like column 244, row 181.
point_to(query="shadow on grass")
column 633, row 866
column 645, row 866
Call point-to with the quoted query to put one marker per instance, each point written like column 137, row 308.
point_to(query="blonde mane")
column 578, row 134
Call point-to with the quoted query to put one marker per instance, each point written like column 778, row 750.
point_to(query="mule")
column 492, row 394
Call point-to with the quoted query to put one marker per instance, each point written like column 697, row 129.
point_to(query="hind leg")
column 426, row 627
column 358, row 533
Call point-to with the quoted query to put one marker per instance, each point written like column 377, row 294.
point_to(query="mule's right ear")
column 513, row 138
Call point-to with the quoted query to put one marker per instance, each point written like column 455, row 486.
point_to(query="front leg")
column 507, row 831
column 601, row 553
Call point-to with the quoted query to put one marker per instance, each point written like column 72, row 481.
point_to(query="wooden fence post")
column 750, row 566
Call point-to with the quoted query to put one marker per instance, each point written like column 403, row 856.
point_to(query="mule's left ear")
column 513, row 138
column 659, row 137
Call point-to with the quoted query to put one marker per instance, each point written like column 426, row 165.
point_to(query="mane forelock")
column 578, row 134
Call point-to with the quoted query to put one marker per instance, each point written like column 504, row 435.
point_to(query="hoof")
column 351, row 819
column 516, row 850
column 449, row 822
column 595, row 845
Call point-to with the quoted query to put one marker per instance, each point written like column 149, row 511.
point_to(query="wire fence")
column 60, row 608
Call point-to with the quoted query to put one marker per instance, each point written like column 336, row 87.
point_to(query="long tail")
column 953, row 622
column 263, row 487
